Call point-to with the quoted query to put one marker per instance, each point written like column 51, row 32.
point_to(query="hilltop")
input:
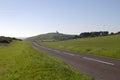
column 51, row 37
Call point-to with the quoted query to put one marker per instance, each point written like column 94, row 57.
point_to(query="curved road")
column 100, row 68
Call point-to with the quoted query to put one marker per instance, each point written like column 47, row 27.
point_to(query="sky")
column 25, row 18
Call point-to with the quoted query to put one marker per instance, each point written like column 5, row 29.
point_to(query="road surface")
column 100, row 68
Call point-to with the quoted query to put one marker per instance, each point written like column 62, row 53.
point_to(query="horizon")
column 34, row 17
column 24, row 37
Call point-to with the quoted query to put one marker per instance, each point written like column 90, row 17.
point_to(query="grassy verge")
column 108, row 46
column 20, row 61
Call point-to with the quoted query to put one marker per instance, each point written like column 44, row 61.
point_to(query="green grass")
column 20, row 61
column 108, row 46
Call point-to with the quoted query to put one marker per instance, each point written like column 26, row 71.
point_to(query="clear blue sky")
column 21, row 18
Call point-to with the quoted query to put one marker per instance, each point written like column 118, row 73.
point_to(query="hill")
column 51, row 37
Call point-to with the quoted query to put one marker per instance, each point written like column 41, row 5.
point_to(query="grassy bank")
column 19, row 61
column 108, row 46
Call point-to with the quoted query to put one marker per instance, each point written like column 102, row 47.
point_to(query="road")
column 100, row 68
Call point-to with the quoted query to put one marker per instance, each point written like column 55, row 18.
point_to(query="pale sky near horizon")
column 24, row 18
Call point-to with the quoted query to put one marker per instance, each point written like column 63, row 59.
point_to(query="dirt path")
column 100, row 68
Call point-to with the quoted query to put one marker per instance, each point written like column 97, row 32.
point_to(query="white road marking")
column 69, row 54
column 92, row 59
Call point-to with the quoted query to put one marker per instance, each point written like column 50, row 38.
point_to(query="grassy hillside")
column 105, row 46
column 19, row 61
column 51, row 37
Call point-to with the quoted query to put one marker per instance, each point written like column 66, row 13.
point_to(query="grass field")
column 20, row 61
column 108, row 46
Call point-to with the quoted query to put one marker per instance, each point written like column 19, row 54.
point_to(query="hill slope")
column 50, row 37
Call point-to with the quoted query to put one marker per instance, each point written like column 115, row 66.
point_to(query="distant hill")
column 51, row 37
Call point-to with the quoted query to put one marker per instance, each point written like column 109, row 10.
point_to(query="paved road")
column 100, row 68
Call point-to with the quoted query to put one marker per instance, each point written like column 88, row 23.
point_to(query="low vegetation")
column 108, row 46
column 20, row 61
